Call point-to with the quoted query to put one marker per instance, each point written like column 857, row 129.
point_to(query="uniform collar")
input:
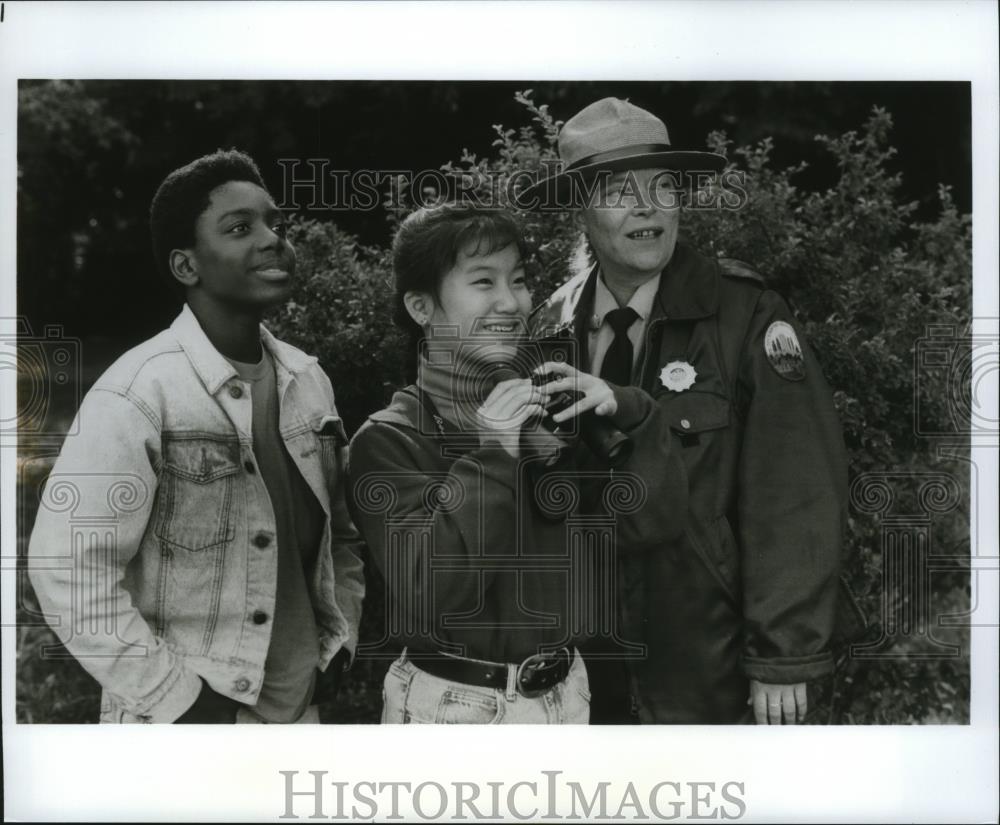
column 212, row 368
column 642, row 299
column 689, row 286
column 689, row 289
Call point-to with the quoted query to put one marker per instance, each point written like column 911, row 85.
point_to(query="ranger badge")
column 783, row 352
column 678, row 376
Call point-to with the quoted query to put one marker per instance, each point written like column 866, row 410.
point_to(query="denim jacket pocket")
column 196, row 490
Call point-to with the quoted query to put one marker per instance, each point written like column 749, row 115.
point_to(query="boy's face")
column 240, row 255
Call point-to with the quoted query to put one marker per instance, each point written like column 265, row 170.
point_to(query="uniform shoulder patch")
column 735, row 268
column 783, row 351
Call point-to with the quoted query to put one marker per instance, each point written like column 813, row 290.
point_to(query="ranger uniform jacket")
column 749, row 590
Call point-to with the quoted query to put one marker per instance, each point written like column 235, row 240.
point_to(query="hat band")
column 618, row 154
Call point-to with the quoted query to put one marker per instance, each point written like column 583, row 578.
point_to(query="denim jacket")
column 154, row 555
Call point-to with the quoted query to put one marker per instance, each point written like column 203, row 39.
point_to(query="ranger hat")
column 610, row 134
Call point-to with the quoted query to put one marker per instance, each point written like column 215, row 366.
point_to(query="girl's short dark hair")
column 184, row 195
column 427, row 245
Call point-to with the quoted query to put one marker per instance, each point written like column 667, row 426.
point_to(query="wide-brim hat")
column 614, row 135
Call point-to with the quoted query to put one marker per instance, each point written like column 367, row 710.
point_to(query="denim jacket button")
column 261, row 540
column 241, row 685
column 259, row 617
column 235, row 391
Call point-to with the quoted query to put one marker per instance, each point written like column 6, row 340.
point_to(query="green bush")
column 340, row 312
column 864, row 281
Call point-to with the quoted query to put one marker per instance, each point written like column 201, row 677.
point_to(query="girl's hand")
column 596, row 393
column 506, row 409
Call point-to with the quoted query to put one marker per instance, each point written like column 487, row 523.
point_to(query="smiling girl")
column 477, row 576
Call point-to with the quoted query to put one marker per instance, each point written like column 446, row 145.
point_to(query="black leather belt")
column 533, row 676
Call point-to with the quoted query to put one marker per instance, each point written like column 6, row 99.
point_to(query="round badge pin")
column 783, row 351
column 678, row 376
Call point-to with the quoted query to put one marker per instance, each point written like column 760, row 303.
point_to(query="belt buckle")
column 533, row 665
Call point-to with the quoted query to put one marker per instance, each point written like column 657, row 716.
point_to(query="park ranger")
column 737, row 615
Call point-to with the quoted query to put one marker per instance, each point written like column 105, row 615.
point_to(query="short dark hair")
column 428, row 242
column 184, row 195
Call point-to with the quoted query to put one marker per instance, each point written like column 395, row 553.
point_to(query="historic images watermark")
column 545, row 798
column 586, row 560
column 314, row 184
column 908, row 560
column 957, row 369
column 46, row 363
column 961, row 366
column 951, row 364
column 91, row 506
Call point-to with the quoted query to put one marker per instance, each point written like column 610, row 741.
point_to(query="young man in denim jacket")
column 229, row 582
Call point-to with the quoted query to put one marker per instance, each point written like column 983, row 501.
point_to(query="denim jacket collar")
column 212, row 368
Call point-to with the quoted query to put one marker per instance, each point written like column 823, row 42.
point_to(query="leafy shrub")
column 340, row 312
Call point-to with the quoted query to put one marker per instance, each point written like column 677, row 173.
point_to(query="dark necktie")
column 617, row 365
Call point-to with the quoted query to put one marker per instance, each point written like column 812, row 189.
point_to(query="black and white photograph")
column 656, row 404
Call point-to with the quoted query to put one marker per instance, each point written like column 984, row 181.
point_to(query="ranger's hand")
column 597, row 393
column 774, row 704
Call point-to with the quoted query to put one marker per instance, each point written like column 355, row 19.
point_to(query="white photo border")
column 789, row 774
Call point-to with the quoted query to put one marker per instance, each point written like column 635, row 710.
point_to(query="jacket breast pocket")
column 196, row 491
column 695, row 416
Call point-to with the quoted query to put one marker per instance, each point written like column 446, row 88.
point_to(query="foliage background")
column 869, row 249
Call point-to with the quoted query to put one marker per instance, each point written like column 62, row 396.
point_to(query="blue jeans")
column 412, row 696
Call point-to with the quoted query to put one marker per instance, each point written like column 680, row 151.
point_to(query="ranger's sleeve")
column 93, row 513
column 648, row 493
column 792, row 498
